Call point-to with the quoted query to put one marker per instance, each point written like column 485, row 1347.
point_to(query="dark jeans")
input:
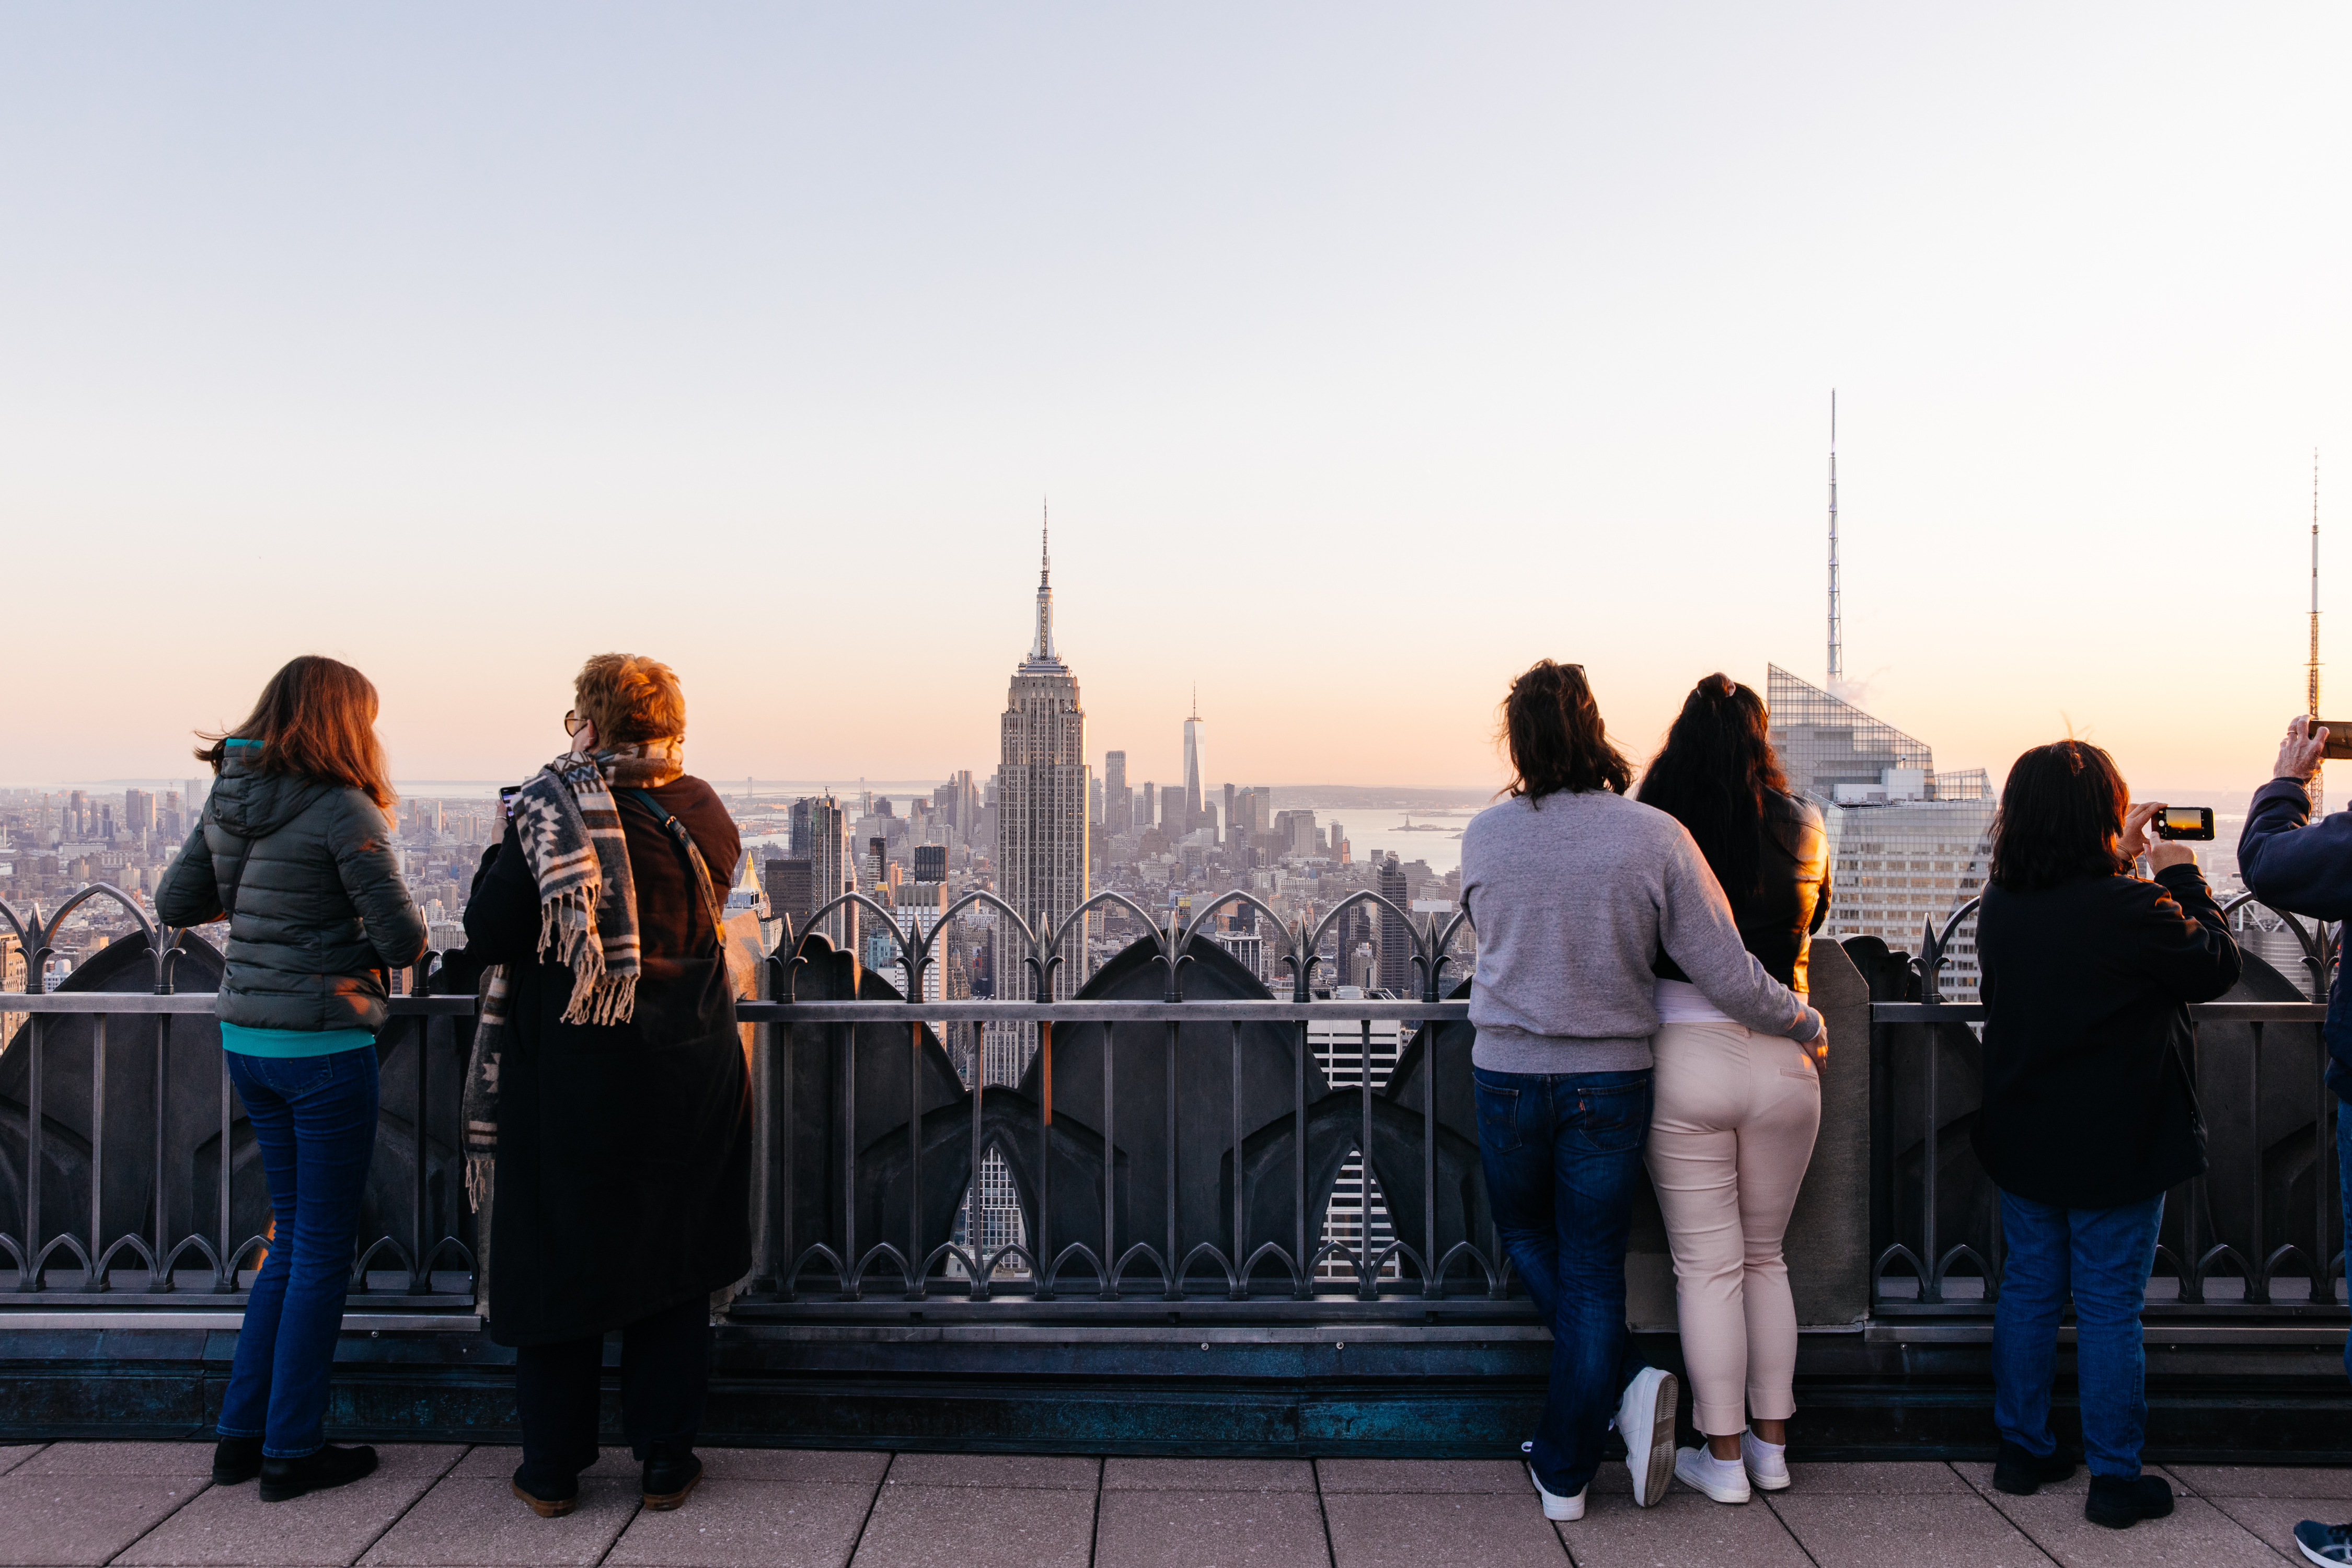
column 2103, row 1257
column 665, row 1374
column 314, row 1120
column 1562, row 1152
column 2343, row 1181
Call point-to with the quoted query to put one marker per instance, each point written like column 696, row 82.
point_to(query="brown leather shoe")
column 666, row 1482
column 548, row 1507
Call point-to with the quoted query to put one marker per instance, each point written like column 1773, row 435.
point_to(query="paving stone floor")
column 447, row 1505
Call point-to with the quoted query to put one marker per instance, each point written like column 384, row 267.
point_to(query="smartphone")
column 507, row 797
column 2184, row 822
column 2339, row 737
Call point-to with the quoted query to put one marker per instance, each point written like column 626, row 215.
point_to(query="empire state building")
column 1041, row 797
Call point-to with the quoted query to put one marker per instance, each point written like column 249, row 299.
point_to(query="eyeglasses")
column 570, row 722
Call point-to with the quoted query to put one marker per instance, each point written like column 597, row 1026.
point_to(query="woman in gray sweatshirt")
column 1573, row 890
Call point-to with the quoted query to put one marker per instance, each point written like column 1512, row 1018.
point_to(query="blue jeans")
column 2343, row 1181
column 1562, row 1152
column 314, row 1119
column 2103, row 1256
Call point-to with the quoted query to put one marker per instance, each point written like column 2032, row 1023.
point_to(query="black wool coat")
column 623, row 1182
column 2088, row 1102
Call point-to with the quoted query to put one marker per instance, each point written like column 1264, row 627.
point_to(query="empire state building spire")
column 1041, row 650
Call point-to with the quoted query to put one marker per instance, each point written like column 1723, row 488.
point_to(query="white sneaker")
column 1724, row 1481
column 1768, row 1463
column 1555, row 1506
column 1645, row 1419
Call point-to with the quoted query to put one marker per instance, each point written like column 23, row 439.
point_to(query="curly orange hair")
column 629, row 698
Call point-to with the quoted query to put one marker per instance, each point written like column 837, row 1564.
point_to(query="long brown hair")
column 2062, row 812
column 1713, row 776
column 1558, row 740
column 316, row 718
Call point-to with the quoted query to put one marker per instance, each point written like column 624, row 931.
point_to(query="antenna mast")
column 2311, row 671
column 2311, row 676
column 1837, row 628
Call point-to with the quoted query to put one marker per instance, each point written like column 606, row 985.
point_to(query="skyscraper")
column 1118, row 801
column 832, row 870
column 1907, row 845
column 1395, row 945
column 1042, row 776
column 1196, row 735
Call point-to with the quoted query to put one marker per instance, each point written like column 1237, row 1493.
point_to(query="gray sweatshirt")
column 1572, row 898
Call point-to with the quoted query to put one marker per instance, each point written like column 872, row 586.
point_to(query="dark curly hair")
column 1713, row 775
column 2061, row 814
column 1556, row 739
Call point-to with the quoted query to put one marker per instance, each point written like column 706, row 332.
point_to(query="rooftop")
column 447, row 1505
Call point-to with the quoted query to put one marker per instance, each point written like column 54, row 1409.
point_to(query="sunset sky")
column 1366, row 354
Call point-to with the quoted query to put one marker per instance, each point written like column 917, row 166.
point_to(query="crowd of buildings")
column 1908, row 846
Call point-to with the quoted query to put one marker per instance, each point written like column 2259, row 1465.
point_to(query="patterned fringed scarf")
column 570, row 833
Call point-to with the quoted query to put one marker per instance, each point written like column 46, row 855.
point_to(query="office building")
column 1042, row 777
column 1907, row 845
column 1357, row 1217
column 820, row 833
column 792, row 890
column 1395, row 945
column 930, row 862
column 1118, row 801
column 1196, row 740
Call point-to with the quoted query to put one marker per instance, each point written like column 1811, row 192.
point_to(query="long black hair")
column 1558, row 740
column 2062, row 815
column 1713, row 775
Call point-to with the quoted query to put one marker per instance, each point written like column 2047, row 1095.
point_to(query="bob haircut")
column 2061, row 814
column 316, row 718
column 1713, row 775
column 629, row 698
column 1556, row 739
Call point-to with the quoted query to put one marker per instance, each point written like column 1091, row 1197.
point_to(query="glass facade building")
column 1907, row 845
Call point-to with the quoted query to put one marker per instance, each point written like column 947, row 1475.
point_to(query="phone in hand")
column 507, row 800
column 2183, row 822
column 2339, row 737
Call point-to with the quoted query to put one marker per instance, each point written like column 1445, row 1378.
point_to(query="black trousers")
column 665, row 1379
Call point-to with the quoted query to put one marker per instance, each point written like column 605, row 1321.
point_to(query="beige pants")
column 1730, row 1136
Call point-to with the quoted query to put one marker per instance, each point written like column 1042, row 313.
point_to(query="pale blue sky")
column 1367, row 354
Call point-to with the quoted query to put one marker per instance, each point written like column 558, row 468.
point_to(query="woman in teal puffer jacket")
column 294, row 847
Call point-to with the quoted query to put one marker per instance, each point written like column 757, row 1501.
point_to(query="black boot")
column 2121, row 1501
column 2021, row 1474
column 235, row 1460
column 315, row 1471
column 671, row 1472
column 550, row 1497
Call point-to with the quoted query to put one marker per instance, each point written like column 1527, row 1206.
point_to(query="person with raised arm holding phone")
column 2089, row 1113
column 2305, row 867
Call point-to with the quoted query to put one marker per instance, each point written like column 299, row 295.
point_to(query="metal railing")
column 55, row 1150
column 1110, row 1145
column 2265, row 1133
column 1174, row 1137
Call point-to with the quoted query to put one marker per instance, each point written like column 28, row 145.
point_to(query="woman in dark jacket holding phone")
column 2089, row 1112
column 295, row 847
column 608, row 1106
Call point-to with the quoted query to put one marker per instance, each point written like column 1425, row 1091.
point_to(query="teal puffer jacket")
column 306, row 871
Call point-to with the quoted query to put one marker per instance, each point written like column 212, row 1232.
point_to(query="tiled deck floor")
column 434, row 1506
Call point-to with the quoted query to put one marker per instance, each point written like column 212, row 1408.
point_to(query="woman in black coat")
column 611, row 1072
column 2090, row 1110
